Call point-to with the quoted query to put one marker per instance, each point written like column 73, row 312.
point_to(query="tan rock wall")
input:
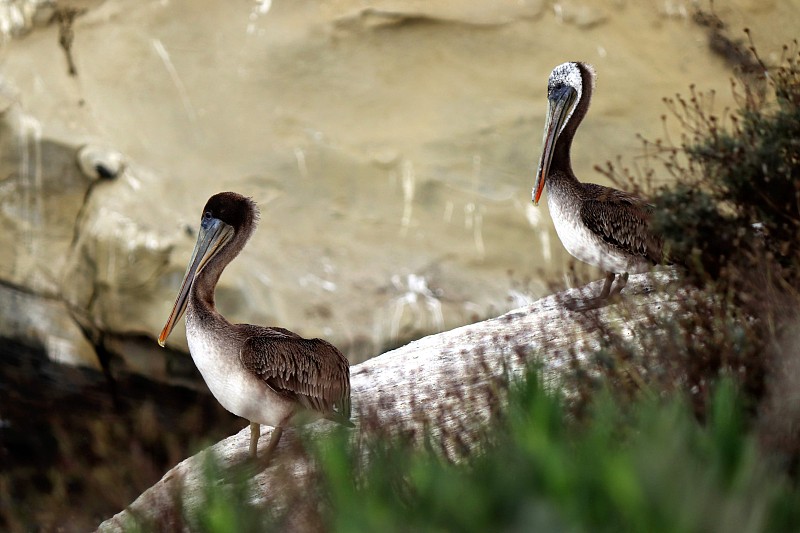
column 390, row 144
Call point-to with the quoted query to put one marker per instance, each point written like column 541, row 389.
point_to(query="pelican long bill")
column 558, row 109
column 214, row 234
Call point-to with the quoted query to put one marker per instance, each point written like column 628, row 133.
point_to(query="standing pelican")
column 599, row 225
column 267, row 375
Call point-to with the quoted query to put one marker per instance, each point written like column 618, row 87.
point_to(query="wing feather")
column 310, row 371
column 622, row 220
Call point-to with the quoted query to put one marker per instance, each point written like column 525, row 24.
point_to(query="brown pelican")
column 599, row 225
column 267, row 375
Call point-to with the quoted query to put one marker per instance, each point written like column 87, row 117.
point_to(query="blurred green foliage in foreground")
column 648, row 466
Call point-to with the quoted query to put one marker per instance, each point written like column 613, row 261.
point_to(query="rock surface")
column 390, row 144
column 45, row 324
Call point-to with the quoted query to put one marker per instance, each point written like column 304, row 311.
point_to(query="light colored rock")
column 115, row 265
column 41, row 193
column 18, row 17
column 381, row 13
column 45, row 324
column 584, row 15
column 389, row 143
column 100, row 162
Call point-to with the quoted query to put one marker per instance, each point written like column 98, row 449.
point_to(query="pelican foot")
column 622, row 280
column 254, row 463
column 587, row 304
column 607, row 296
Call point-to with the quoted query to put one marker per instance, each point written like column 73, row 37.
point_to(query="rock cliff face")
column 390, row 145
column 42, row 192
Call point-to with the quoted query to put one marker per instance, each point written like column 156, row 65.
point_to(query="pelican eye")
column 205, row 222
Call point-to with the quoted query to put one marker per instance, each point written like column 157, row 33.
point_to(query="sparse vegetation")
column 731, row 217
column 736, row 203
column 648, row 465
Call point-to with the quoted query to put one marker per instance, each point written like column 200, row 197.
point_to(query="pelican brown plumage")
column 604, row 227
column 267, row 375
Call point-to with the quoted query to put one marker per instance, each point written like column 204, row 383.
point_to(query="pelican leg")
column 621, row 282
column 273, row 443
column 255, row 433
column 255, row 464
column 607, row 285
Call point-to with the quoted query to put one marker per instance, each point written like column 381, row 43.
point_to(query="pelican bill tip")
column 162, row 342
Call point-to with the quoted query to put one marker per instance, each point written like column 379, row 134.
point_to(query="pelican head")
column 226, row 215
column 564, row 91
